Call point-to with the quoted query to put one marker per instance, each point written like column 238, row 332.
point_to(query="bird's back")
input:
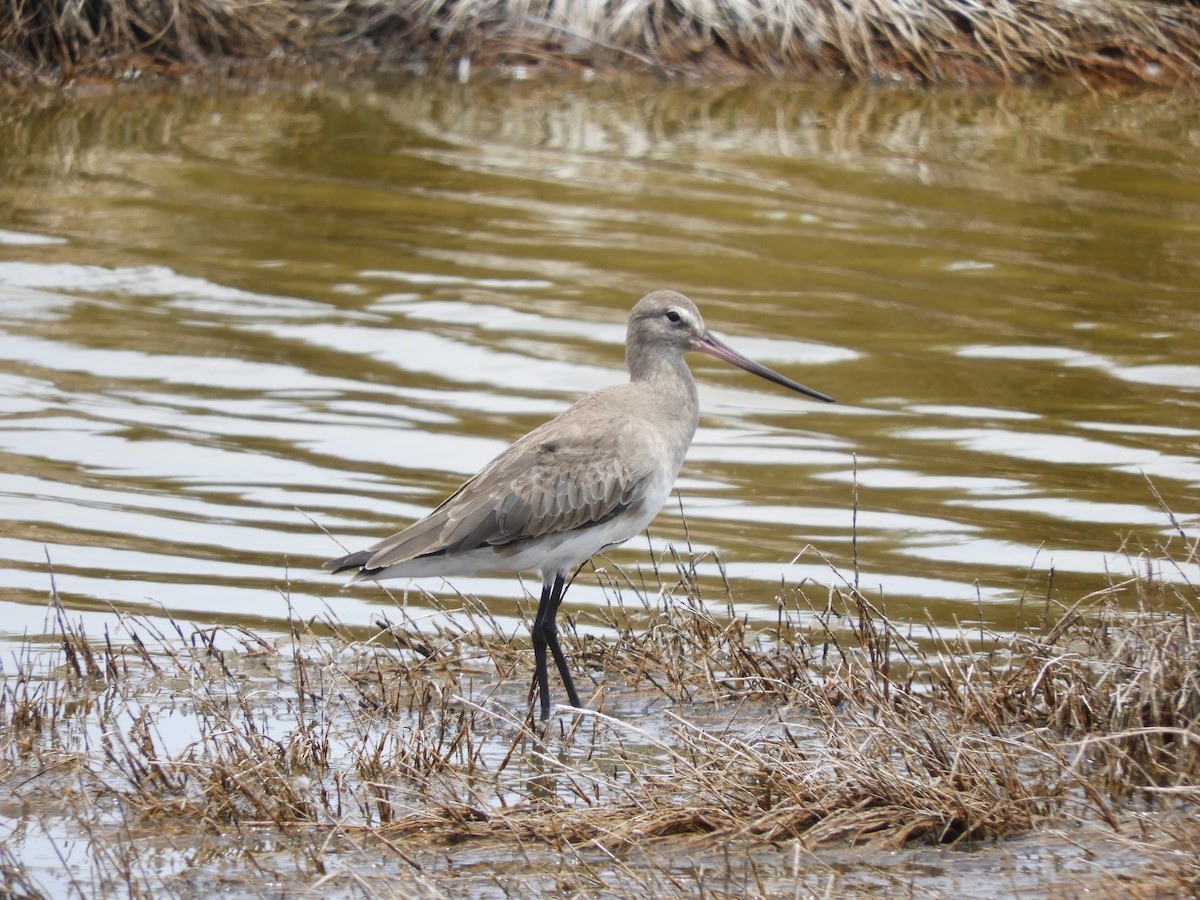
column 594, row 475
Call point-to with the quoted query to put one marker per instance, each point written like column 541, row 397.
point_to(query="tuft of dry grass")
column 124, row 37
column 1146, row 41
column 833, row 728
column 938, row 41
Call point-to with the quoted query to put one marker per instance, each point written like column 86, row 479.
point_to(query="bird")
column 593, row 476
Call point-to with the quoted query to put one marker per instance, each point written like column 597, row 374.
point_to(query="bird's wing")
column 570, row 473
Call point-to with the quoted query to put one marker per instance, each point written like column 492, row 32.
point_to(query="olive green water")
column 225, row 315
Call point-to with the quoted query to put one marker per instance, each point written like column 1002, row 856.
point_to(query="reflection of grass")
column 186, row 761
column 942, row 40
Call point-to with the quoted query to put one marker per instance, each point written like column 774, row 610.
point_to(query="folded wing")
column 568, row 474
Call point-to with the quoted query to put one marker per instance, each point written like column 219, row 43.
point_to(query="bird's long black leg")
column 546, row 608
column 550, row 625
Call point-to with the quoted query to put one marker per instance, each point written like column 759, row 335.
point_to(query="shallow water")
column 231, row 319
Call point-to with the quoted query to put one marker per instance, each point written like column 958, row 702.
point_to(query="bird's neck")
column 667, row 378
column 644, row 366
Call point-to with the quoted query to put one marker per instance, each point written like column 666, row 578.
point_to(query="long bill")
column 713, row 347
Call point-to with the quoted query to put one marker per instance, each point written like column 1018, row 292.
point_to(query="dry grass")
column 1150, row 41
column 122, row 37
column 834, row 728
column 938, row 41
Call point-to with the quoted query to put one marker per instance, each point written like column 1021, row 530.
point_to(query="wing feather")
column 574, row 472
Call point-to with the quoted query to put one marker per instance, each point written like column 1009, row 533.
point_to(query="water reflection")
column 225, row 317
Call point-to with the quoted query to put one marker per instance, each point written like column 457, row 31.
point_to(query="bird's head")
column 666, row 323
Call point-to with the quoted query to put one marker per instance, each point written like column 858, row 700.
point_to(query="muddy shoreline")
column 1094, row 42
column 828, row 754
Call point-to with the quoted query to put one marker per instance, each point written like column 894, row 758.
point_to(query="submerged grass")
column 716, row 760
column 1150, row 41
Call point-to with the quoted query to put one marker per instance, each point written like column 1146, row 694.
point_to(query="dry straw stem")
column 836, row 725
column 1151, row 41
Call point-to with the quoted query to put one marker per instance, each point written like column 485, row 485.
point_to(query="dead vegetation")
column 121, row 37
column 1141, row 41
column 836, row 727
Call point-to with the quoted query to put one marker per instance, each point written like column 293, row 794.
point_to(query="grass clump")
column 124, row 37
column 938, row 41
column 192, row 758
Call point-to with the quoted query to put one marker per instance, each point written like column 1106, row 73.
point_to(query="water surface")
column 231, row 321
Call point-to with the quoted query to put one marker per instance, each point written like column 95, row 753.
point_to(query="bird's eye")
column 673, row 315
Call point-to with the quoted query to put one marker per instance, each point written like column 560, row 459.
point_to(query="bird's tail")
column 350, row 561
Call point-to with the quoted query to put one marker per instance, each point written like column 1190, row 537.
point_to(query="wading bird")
column 591, row 477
